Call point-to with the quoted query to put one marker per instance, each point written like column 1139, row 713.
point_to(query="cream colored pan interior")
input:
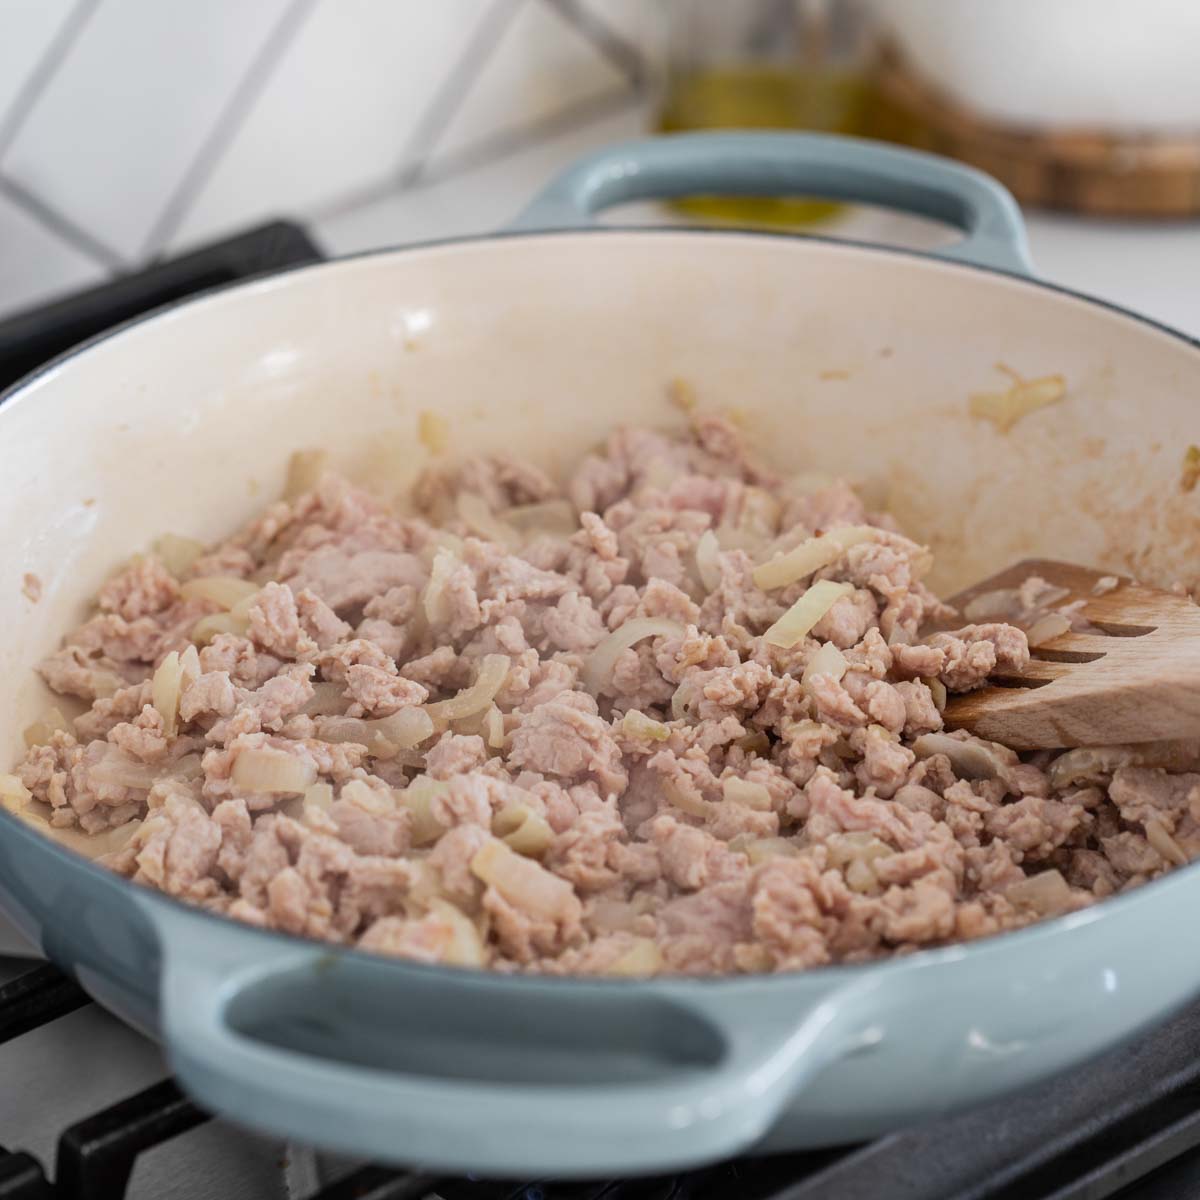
column 836, row 358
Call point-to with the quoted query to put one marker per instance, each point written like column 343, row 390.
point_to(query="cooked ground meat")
column 436, row 735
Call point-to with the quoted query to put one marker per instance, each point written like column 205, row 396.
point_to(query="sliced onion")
column 694, row 806
column 810, row 556
column 598, row 669
column 937, row 690
column 1087, row 765
column 319, row 796
column 474, row 512
column 45, row 727
column 404, row 729
column 418, row 798
column 208, row 627
column 14, row 795
column 304, row 471
column 554, row 517
column 433, row 599
column 976, row 759
column 642, row 959
column 222, row 590
column 263, row 769
column 462, row 946
column 637, row 724
column 383, row 737
column 328, row 700
column 806, row 612
column 1047, row 628
column 708, row 565
column 758, row 850
column 526, row 831
column 370, row 800
column 745, row 791
column 118, row 769
column 493, row 671
column 1047, row 892
column 432, row 431
column 1160, row 838
column 522, row 882
column 493, row 727
column 164, row 691
column 828, row 660
column 178, row 553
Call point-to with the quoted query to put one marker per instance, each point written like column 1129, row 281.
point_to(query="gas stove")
column 88, row 1110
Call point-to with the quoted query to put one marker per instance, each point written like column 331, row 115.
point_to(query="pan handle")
column 469, row 1071
column 810, row 164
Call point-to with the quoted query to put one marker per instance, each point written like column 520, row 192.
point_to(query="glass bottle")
column 765, row 64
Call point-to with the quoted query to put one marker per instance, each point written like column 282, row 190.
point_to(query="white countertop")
column 1151, row 268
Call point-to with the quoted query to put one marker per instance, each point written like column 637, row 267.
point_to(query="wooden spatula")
column 1136, row 679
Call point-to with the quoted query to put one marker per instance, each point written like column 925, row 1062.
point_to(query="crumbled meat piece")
column 710, row 810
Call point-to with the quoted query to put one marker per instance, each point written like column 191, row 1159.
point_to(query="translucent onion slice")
column 208, row 627
column 598, row 669
column 1047, row 628
column 164, row 691
column 810, row 556
column 222, row 590
column 304, row 472
column 418, row 798
column 1046, row 892
column 1087, row 765
column 178, row 553
column 806, row 612
column 938, row 690
column 328, row 700
column 642, row 959
column 1005, row 409
column 87, row 845
column 708, row 565
column 433, row 599
column 745, row 791
column 760, row 849
column 694, row 806
column 118, row 769
column 263, row 769
column 637, row 724
column 1160, row 838
column 493, row 727
column 526, row 831
column 828, row 660
column 49, row 723
column 461, row 944
column 971, row 760
column 14, row 795
column 523, row 882
column 554, row 517
column 474, row 512
column 371, row 800
column 383, row 737
column 319, row 796
column 492, row 673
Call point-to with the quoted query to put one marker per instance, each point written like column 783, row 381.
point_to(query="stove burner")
column 1126, row 1125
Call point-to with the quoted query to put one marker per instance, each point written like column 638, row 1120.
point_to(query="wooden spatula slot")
column 1133, row 677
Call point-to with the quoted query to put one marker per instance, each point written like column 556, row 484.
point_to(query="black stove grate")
column 1126, row 1126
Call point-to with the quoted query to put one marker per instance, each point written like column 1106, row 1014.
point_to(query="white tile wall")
column 131, row 106
column 27, row 28
column 341, row 111
column 541, row 66
column 35, row 264
column 132, row 126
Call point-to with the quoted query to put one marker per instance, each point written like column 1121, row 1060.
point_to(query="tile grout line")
column 575, row 116
column 225, row 128
column 52, row 58
column 453, row 90
column 619, row 50
column 48, row 217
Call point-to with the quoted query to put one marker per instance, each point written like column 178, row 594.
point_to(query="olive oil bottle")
column 765, row 64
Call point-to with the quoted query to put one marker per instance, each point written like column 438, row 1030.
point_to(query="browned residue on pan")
column 31, row 587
